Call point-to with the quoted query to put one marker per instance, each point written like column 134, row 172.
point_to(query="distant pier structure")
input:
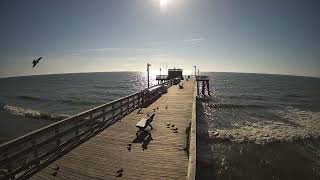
column 203, row 81
column 203, row 87
column 172, row 74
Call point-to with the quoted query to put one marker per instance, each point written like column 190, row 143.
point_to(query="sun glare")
column 163, row 3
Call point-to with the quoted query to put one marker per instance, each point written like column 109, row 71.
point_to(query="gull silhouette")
column 36, row 61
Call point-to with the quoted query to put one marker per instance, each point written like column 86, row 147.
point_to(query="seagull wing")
column 39, row 59
column 34, row 63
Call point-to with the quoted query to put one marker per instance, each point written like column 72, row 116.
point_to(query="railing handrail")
column 202, row 77
column 162, row 75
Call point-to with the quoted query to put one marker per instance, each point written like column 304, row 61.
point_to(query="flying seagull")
column 35, row 62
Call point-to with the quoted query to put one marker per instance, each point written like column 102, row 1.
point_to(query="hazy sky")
column 263, row 36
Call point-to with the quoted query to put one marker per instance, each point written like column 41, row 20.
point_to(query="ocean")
column 254, row 126
column 258, row 126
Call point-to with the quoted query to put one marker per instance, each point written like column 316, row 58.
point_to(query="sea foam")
column 20, row 111
column 300, row 125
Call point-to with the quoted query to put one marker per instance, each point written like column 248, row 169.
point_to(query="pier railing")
column 202, row 78
column 24, row 156
column 161, row 77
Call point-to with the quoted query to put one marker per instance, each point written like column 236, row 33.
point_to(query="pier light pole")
column 195, row 71
column 198, row 72
column 148, row 73
column 160, row 78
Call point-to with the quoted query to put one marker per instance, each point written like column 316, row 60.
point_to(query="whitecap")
column 20, row 111
column 300, row 125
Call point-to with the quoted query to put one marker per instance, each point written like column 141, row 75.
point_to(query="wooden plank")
column 118, row 147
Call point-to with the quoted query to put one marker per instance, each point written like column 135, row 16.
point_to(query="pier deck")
column 158, row 154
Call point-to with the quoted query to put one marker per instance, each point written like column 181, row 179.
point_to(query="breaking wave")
column 66, row 101
column 300, row 125
column 78, row 102
column 226, row 106
column 32, row 98
column 32, row 113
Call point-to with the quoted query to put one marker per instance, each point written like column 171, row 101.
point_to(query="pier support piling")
column 204, row 85
column 208, row 88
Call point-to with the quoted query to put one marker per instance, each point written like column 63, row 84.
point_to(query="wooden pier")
column 103, row 143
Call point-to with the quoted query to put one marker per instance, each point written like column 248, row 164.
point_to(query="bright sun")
column 163, row 3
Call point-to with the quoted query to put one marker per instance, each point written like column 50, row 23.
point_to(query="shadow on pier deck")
column 117, row 153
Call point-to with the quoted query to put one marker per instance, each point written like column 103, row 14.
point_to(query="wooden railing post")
column 104, row 115
column 112, row 107
column 128, row 105
column 36, row 151
column 121, row 107
column 142, row 98
column 134, row 100
column 90, row 117
column 139, row 97
column 58, row 140
column 77, row 133
column 8, row 165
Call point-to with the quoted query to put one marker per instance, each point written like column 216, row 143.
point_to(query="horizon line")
column 145, row 72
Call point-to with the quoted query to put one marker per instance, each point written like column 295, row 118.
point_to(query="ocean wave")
column 243, row 96
column 227, row 106
column 32, row 98
column 100, row 86
column 19, row 111
column 78, row 102
column 295, row 96
column 66, row 101
column 301, row 125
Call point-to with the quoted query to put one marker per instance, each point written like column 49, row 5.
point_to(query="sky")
column 267, row 36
